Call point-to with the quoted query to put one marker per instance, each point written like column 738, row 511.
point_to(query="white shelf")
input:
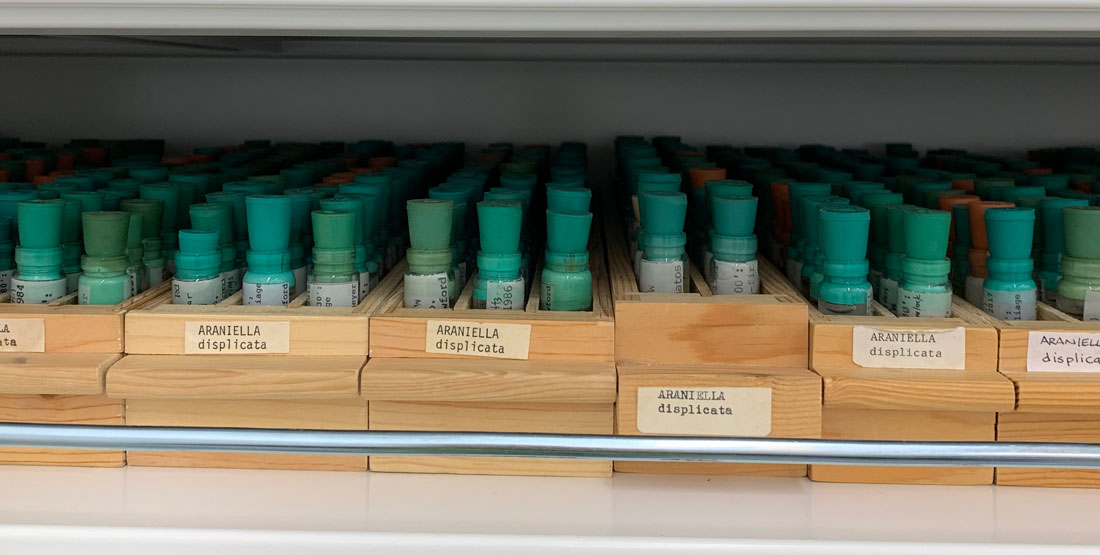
column 170, row 511
column 553, row 17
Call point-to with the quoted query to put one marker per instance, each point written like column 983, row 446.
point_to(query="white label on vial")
column 232, row 280
column 391, row 256
column 975, row 290
column 72, row 282
column 480, row 339
column 344, row 294
column 23, row 335
column 110, row 289
column 427, row 291
column 200, row 292
column 705, row 411
column 875, row 279
column 365, row 285
column 734, row 278
column 266, row 294
column 504, row 295
column 1010, row 305
column 37, row 292
column 460, row 274
column 157, row 275
column 299, row 280
column 661, row 277
column 5, row 280
column 236, row 338
column 932, row 349
column 914, row 304
column 637, row 261
column 890, row 294
column 708, row 269
column 133, row 280
column 794, row 271
column 1092, row 306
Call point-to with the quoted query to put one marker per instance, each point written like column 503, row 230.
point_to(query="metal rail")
column 558, row 446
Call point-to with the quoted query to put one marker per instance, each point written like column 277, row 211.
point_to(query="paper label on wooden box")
column 1057, row 351
column 236, row 338
column 705, row 411
column 929, row 349
column 22, row 335
column 479, row 339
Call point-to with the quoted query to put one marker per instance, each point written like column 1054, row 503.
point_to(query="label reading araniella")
column 197, row 292
column 481, row 339
column 22, row 335
column 1010, row 305
column 427, row 291
column 705, row 411
column 916, row 304
column 504, row 295
column 1057, row 351
column 266, row 294
column 932, row 349
column 344, row 294
column 236, row 338
column 734, row 278
column 661, row 277
column 1092, row 306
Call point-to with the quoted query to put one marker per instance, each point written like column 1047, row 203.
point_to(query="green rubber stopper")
column 199, row 241
column 1051, row 215
column 985, row 186
column 268, row 218
column 355, row 206
column 1010, row 232
column 568, row 199
column 133, row 233
column 301, row 206
column 151, row 211
column 920, row 191
column 299, row 177
column 39, row 223
column 797, row 192
column 519, row 181
column 877, row 203
column 236, row 201
column 246, row 187
column 926, row 233
column 499, row 225
column 171, row 197
column 112, row 198
column 844, row 231
column 430, row 223
column 895, row 222
column 567, row 232
column 149, row 175
column 70, row 221
column 216, row 217
column 662, row 213
column 333, row 229
column 199, row 184
column 1050, row 182
column 1014, row 194
column 732, row 215
column 90, row 201
column 960, row 215
column 105, row 233
column 1082, row 228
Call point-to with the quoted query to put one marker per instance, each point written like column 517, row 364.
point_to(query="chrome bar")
column 623, row 448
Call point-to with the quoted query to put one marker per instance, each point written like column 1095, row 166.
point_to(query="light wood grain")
column 258, row 461
column 305, row 414
column 234, row 377
column 908, row 389
column 496, row 466
column 1014, row 339
column 412, row 379
column 905, row 425
column 54, row 373
column 61, row 409
column 1058, row 428
column 713, row 469
column 61, row 457
column 831, row 340
column 1056, row 392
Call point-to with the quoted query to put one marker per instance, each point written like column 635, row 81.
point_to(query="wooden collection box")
column 1054, row 363
column 53, row 359
column 235, row 366
column 698, row 364
column 552, row 372
column 908, row 379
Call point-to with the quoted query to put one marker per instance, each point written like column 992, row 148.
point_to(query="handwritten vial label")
column 492, row 340
column 890, row 294
column 708, row 266
column 705, row 411
column 427, row 291
column 334, row 294
column 915, row 304
column 157, row 274
column 1092, row 306
column 236, row 338
column 266, row 294
column 232, row 279
column 661, row 277
column 72, row 282
column 22, row 335
column 931, row 349
column 1010, row 305
column 975, row 290
column 198, row 292
column 1050, row 351
column 734, row 278
column 504, row 295
column 5, row 280
column 36, row 292
column 133, row 280
column 365, row 285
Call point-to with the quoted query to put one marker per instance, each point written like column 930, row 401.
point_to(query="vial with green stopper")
column 198, row 268
column 169, row 221
column 301, row 206
column 877, row 202
column 925, row 289
column 269, row 280
column 151, row 211
column 7, row 256
column 499, row 285
column 104, row 280
column 663, row 266
column 1053, row 245
column 430, row 279
column 1079, row 290
column 373, row 209
column 135, row 268
column 240, row 222
column 732, row 268
column 334, row 280
column 844, row 290
column 798, row 191
column 218, row 217
column 566, row 279
column 1009, row 291
column 38, row 278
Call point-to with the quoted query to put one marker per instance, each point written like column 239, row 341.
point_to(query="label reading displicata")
column 37, row 292
column 705, row 411
column 661, row 277
column 198, row 292
column 1092, row 306
column 299, row 281
column 236, row 338
column 504, row 295
column 1049, row 351
column 734, row 278
column 427, row 291
column 1010, row 305
column 915, row 304
column 890, row 294
column 5, row 280
column 493, row 340
column 266, row 294
column 933, row 349
column 22, row 335
column 344, row 294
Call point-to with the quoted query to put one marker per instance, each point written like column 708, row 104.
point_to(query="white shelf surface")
column 171, row 511
column 551, row 17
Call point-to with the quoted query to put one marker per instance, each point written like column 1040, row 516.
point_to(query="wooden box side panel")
column 749, row 334
column 305, row 414
column 162, row 333
column 1058, row 428
column 496, row 466
column 1056, row 392
column 584, row 339
column 54, row 373
column 713, row 469
column 831, row 344
column 904, row 389
column 254, row 461
column 61, row 409
column 76, row 331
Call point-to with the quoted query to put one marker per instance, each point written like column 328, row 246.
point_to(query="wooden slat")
column 61, row 409
column 955, row 390
column 1056, row 392
column 54, row 373
column 1058, row 428
column 305, row 414
column 831, row 346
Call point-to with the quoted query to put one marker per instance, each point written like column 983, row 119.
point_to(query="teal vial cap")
column 1082, row 228
column 350, row 204
column 171, row 197
column 216, row 217
column 926, row 233
column 151, row 211
column 960, row 215
column 90, row 201
column 662, row 212
column 567, row 232
column 499, row 225
column 1010, row 232
column 236, row 201
column 568, row 199
column 268, row 218
column 430, row 224
column 1053, row 224
column 334, row 229
column 844, row 231
column 733, row 215
column 105, row 233
column 40, row 223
